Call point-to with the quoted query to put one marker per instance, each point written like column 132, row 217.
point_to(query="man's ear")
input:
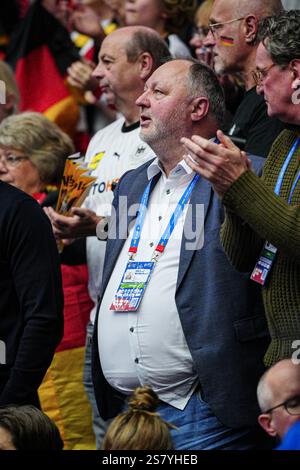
column 250, row 29
column 200, row 108
column 295, row 67
column 265, row 420
column 145, row 61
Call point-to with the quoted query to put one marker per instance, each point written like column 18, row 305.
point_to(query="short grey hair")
column 46, row 145
column 281, row 36
column 264, row 393
column 147, row 40
column 203, row 81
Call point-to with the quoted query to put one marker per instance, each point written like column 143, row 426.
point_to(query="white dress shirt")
column 148, row 347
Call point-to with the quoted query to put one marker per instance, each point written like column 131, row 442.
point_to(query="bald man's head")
column 279, row 384
column 259, row 8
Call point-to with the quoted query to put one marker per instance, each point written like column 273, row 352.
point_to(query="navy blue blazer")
column 220, row 310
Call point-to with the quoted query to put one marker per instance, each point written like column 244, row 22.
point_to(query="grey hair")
column 41, row 140
column 203, row 81
column 264, row 393
column 147, row 40
column 281, row 36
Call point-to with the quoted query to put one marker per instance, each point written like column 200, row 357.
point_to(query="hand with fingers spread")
column 82, row 223
column 221, row 164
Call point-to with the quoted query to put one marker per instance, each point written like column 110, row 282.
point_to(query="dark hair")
column 139, row 428
column 202, row 80
column 147, row 40
column 30, row 428
column 281, row 36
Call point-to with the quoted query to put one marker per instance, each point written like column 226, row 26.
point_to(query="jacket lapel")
column 194, row 224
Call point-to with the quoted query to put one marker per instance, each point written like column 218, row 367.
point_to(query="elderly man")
column 278, row 394
column 127, row 58
column 162, row 318
column 233, row 37
column 261, row 229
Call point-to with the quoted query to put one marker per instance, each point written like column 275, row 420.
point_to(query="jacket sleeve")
column 263, row 212
column 35, row 269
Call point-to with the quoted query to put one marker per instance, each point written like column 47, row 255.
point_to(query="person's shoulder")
column 11, row 196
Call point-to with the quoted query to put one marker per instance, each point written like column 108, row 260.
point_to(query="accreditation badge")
column 264, row 264
column 132, row 286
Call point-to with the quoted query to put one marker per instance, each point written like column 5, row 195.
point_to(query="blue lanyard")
column 172, row 223
column 283, row 171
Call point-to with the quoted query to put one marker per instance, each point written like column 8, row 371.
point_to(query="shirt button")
column 159, row 217
column 151, row 244
column 136, row 360
column 168, row 191
column 131, row 329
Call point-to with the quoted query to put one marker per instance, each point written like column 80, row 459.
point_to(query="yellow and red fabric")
column 40, row 51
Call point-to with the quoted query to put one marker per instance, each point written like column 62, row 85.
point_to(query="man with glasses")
column 261, row 232
column 233, row 37
column 278, row 395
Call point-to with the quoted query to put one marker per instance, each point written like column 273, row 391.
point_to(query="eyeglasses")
column 214, row 27
column 292, row 406
column 13, row 160
column 260, row 75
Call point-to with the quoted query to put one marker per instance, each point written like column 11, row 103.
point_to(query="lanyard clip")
column 155, row 256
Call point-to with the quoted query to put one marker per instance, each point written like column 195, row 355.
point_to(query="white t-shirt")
column 111, row 152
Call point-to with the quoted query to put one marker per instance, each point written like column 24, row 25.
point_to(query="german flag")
column 9, row 16
column 40, row 51
column 226, row 41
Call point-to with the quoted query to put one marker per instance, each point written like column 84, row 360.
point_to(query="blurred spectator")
column 127, row 58
column 291, row 440
column 27, row 428
column 9, row 91
column 232, row 86
column 167, row 17
column 139, row 428
column 278, row 394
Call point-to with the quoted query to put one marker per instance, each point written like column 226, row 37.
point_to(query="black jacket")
column 31, row 298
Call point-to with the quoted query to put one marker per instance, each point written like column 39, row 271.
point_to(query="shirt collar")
column 180, row 169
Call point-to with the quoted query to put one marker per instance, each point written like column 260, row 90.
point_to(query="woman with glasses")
column 261, row 233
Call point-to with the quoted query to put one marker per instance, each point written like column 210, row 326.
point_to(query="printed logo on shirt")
column 140, row 149
column 102, row 186
column 95, row 160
